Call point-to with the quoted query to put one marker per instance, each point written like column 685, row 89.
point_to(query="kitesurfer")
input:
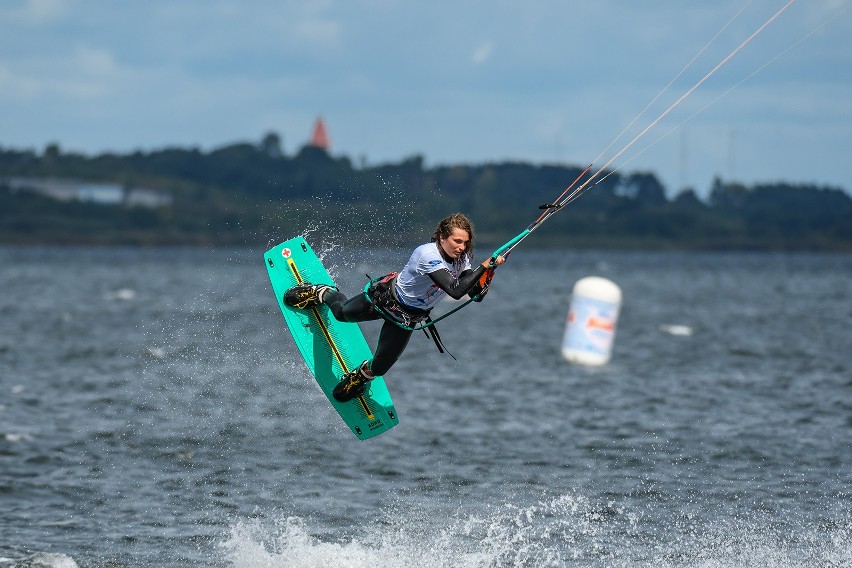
column 435, row 270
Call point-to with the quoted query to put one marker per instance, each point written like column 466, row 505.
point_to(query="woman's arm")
column 457, row 287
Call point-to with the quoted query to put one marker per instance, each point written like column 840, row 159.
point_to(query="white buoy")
column 592, row 318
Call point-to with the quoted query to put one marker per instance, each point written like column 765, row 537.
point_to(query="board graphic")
column 330, row 348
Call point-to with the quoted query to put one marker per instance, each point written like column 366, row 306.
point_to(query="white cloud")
column 318, row 32
column 14, row 86
column 84, row 73
column 96, row 62
column 482, row 53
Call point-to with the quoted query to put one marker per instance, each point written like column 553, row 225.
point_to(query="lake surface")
column 154, row 411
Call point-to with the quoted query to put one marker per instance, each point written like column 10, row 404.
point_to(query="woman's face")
column 455, row 245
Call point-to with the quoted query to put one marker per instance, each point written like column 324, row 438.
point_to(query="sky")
column 665, row 86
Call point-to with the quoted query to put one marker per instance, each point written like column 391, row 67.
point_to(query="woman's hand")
column 497, row 261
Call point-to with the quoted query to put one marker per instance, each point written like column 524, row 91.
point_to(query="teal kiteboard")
column 330, row 348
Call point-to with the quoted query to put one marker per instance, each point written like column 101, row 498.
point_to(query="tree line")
column 248, row 193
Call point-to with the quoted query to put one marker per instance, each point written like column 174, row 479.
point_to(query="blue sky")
column 455, row 82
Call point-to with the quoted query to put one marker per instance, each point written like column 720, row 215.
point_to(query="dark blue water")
column 154, row 412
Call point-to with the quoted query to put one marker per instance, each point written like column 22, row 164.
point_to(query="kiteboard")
column 331, row 348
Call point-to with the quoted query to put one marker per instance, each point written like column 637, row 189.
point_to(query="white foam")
column 122, row 294
column 677, row 330
column 44, row 560
column 561, row 531
column 253, row 546
column 17, row 437
column 506, row 536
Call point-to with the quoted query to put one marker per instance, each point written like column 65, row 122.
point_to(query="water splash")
column 566, row 530
column 41, row 560
column 545, row 534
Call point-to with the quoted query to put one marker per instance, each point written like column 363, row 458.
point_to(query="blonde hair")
column 446, row 226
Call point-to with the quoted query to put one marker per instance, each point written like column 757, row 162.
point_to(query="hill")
column 247, row 193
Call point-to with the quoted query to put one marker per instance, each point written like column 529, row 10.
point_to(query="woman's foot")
column 306, row 295
column 353, row 384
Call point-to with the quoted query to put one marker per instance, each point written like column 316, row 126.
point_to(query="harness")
column 381, row 293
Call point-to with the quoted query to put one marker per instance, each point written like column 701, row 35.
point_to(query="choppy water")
column 154, row 412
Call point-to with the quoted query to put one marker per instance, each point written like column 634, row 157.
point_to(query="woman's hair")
column 455, row 221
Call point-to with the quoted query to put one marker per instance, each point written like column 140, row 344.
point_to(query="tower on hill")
column 320, row 138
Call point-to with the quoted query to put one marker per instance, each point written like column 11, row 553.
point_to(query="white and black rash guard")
column 428, row 277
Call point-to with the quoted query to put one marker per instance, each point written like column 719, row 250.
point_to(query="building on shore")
column 90, row 192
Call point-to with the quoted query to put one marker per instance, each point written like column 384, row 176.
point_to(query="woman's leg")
column 392, row 338
column 354, row 309
column 392, row 342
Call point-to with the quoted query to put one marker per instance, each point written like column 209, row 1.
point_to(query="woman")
column 436, row 269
